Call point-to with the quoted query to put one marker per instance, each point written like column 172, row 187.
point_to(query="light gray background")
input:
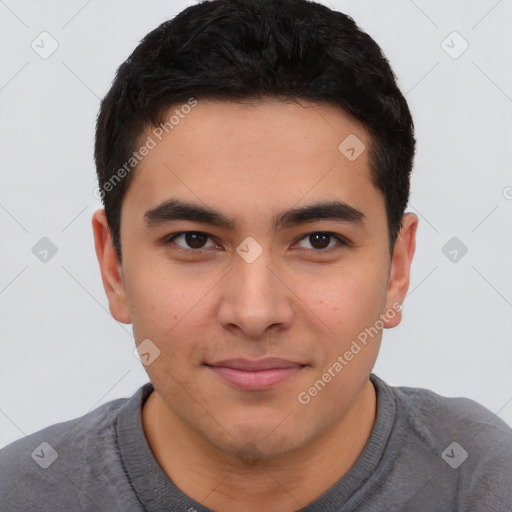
column 62, row 354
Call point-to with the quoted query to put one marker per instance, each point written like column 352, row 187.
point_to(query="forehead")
column 300, row 126
column 251, row 154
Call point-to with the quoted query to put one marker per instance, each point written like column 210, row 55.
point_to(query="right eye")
column 194, row 239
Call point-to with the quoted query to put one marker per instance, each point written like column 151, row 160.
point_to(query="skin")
column 258, row 450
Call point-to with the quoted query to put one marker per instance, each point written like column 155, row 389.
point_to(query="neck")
column 285, row 484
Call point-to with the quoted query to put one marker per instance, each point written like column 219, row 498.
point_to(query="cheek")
column 175, row 313
column 161, row 298
column 349, row 299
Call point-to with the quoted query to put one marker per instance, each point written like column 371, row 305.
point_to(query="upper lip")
column 254, row 365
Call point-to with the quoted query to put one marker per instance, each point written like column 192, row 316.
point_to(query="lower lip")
column 255, row 380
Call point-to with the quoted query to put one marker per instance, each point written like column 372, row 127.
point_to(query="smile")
column 255, row 375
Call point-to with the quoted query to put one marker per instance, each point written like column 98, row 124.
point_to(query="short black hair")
column 250, row 49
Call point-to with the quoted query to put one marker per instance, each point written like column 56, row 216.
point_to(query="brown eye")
column 319, row 240
column 322, row 241
column 194, row 240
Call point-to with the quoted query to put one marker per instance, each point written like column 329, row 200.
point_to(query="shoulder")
column 463, row 441
column 54, row 465
column 457, row 416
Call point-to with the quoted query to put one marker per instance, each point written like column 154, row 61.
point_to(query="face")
column 257, row 315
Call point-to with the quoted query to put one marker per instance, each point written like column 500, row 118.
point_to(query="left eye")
column 320, row 240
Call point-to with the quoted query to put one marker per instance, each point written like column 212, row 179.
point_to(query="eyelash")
column 343, row 242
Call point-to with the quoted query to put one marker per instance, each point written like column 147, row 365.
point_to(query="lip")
column 255, row 374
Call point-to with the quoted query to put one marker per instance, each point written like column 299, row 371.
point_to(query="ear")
column 111, row 270
column 400, row 268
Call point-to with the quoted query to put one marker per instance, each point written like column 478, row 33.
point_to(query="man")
column 253, row 157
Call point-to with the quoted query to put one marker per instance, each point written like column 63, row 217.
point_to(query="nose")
column 255, row 298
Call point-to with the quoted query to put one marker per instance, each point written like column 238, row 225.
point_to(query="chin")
column 264, row 440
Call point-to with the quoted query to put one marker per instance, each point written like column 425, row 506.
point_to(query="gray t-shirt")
column 425, row 453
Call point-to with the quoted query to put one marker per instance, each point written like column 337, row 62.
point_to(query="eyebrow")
column 176, row 209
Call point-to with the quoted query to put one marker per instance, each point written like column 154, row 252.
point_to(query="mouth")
column 253, row 375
